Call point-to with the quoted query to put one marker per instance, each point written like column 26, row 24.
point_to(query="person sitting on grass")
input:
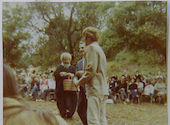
column 159, row 74
column 114, row 86
column 149, row 89
column 137, row 75
column 15, row 111
column 127, row 76
column 122, row 89
column 44, row 83
column 51, row 84
column 133, row 89
column 140, row 86
column 160, row 90
column 35, row 88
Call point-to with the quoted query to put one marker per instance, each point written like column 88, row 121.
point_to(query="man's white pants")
column 96, row 110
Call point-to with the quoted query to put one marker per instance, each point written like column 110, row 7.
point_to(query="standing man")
column 95, row 78
column 82, row 101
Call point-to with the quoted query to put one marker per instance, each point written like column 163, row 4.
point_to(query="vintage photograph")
column 85, row 62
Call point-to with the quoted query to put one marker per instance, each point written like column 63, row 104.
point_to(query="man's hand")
column 63, row 73
column 70, row 75
column 76, row 83
column 79, row 73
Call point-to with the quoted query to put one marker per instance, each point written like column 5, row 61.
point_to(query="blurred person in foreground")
column 95, row 78
column 66, row 100
column 15, row 111
column 82, row 100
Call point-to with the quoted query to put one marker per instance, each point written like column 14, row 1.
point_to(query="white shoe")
column 52, row 100
column 127, row 100
column 125, row 103
column 40, row 100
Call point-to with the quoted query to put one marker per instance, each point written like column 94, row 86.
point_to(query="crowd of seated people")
column 36, row 84
column 138, row 88
column 128, row 88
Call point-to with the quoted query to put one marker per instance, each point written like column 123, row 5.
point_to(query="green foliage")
column 14, row 22
column 63, row 30
column 132, row 32
column 117, row 68
column 140, row 58
column 138, row 26
column 125, row 56
column 110, row 44
column 149, row 58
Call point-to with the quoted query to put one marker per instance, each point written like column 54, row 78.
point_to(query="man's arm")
column 79, row 68
column 91, row 66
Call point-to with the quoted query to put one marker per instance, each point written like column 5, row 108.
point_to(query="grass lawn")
column 120, row 114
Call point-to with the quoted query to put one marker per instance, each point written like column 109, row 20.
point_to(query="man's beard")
column 66, row 66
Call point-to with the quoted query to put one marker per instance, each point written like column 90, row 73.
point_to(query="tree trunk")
column 69, row 34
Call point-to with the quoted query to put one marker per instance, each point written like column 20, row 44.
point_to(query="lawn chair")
column 50, row 96
column 117, row 95
column 144, row 97
column 138, row 97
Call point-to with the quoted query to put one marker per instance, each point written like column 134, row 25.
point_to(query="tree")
column 58, row 26
column 138, row 26
column 63, row 24
column 14, row 24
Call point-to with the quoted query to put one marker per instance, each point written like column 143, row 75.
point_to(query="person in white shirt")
column 44, row 83
column 149, row 89
column 161, row 89
column 140, row 85
column 51, row 88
